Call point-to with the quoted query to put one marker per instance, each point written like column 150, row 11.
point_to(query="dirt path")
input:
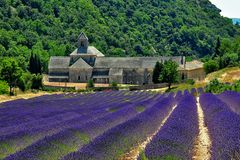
column 75, row 85
column 5, row 98
column 203, row 143
column 134, row 153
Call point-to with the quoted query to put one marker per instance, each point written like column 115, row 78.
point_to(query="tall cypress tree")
column 217, row 49
column 156, row 72
column 35, row 66
column 31, row 63
column 39, row 66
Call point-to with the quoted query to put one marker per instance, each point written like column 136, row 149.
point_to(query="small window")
column 82, row 44
column 183, row 76
column 79, row 78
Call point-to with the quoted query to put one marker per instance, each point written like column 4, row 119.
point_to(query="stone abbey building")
column 86, row 62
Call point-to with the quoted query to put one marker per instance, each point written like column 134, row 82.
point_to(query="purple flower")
column 177, row 137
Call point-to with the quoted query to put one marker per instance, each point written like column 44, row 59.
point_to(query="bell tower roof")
column 82, row 36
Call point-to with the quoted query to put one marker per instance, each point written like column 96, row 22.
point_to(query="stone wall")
column 79, row 75
column 137, row 76
column 196, row 74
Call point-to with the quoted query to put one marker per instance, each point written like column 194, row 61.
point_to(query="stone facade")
column 86, row 62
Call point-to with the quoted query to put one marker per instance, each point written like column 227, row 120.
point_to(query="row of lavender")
column 65, row 112
column 115, row 133
column 78, row 135
column 223, row 124
column 120, row 139
column 23, row 111
column 176, row 138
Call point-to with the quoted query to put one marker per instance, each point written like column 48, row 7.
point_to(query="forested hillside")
column 115, row 27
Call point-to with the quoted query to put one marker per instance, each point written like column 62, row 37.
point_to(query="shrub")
column 114, row 85
column 236, row 86
column 22, row 84
column 90, row 84
column 216, row 87
column 37, row 81
column 190, row 81
column 4, row 88
column 211, row 66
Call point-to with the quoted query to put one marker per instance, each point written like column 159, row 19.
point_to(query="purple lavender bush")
column 120, row 139
column 223, row 126
column 232, row 99
column 71, row 126
column 176, row 138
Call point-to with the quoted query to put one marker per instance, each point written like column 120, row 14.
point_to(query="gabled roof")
column 131, row 62
column 80, row 63
column 91, row 50
column 82, row 36
column 193, row 65
column 59, row 62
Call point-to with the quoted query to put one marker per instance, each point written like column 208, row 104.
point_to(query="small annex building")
column 86, row 62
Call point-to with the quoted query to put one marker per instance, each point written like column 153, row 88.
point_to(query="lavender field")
column 122, row 125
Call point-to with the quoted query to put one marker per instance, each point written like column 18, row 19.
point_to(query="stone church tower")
column 82, row 43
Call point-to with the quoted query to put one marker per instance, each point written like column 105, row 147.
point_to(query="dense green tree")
column 169, row 73
column 211, row 66
column 37, row 81
column 10, row 72
column 217, row 52
column 4, row 88
column 35, row 66
column 156, row 72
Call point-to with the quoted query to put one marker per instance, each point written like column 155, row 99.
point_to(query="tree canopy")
column 10, row 72
column 115, row 27
column 169, row 73
column 156, row 72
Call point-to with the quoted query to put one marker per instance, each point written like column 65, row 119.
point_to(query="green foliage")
column 190, row 81
column 35, row 66
column 217, row 48
column 227, row 54
column 169, row 73
column 4, row 88
column 25, row 81
column 114, row 85
column 22, row 84
column 156, row 72
column 142, row 156
column 115, row 27
column 37, row 81
column 211, row 66
column 217, row 87
column 10, row 72
column 236, row 86
column 90, row 84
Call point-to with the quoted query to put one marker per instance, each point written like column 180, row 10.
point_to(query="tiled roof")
column 131, row 62
column 80, row 63
column 59, row 62
column 193, row 65
column 91, row 50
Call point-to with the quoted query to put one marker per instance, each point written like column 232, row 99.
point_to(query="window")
column 79, row 78
column 183, row 76
column 82, row 44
